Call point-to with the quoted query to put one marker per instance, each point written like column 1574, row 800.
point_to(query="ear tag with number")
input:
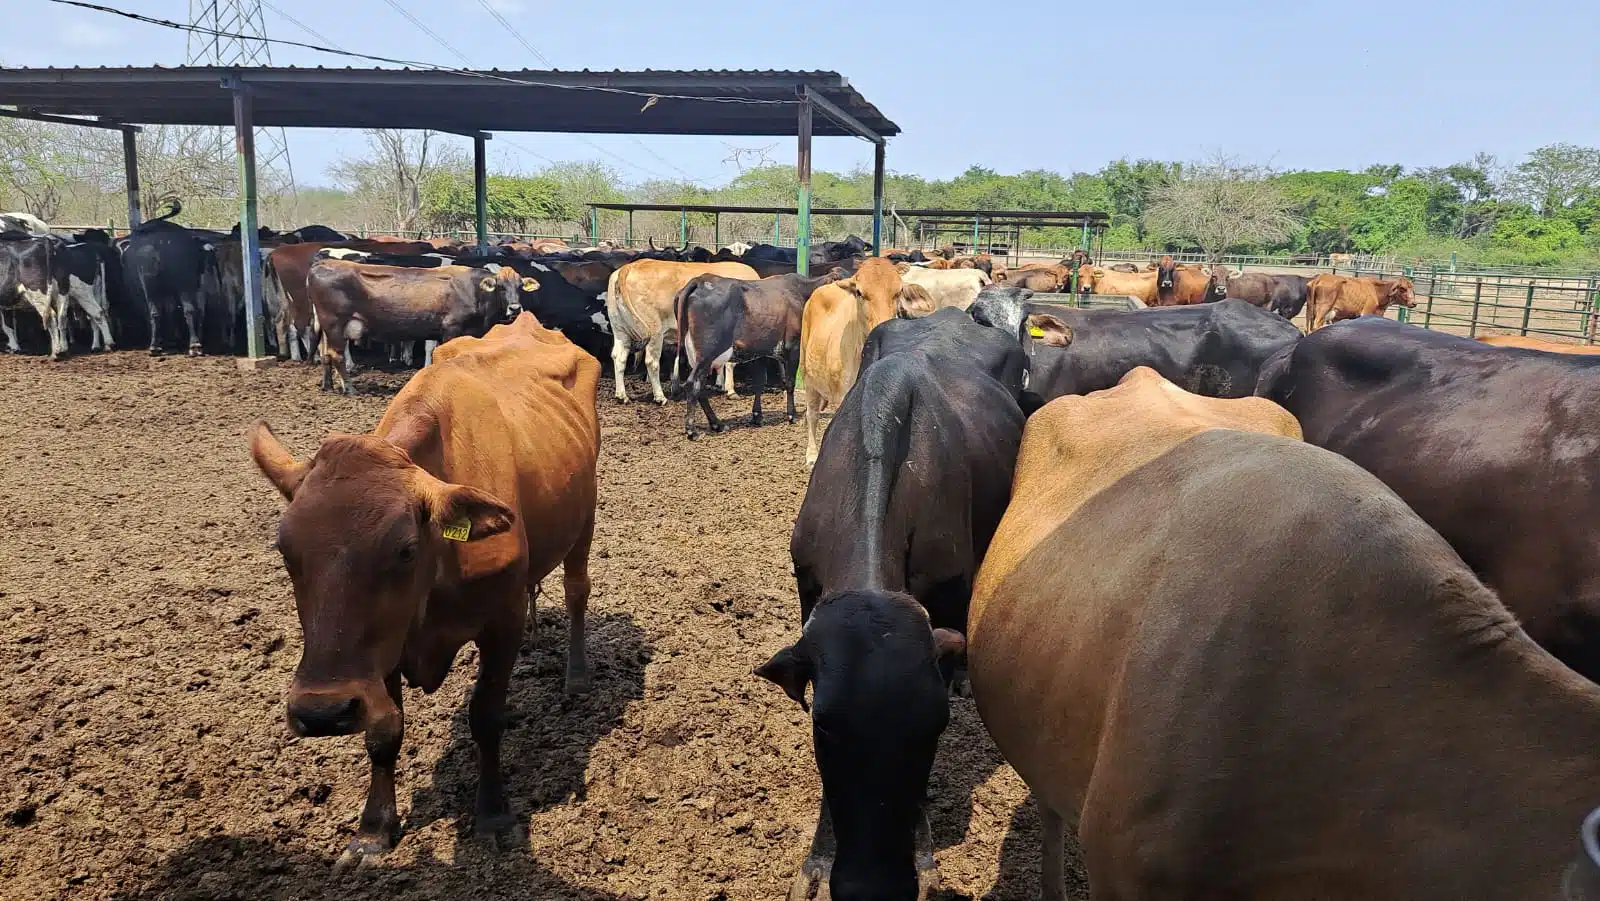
column 460, row 530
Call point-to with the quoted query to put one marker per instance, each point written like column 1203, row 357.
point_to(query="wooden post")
column 480, row 191
column 244, row 137
column 1527, row 309
column 130, row 168
column 802, row 247
column 1594, row 311
column 716, row 230
column 877, row 198
column 630, row 228
column 1477, row 298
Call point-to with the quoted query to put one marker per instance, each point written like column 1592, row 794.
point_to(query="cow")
column 82, row 283
column 432, row 531
column 919, row 459
column 1529, row 343
column 1282, row 294
column 833, row 330
column 1095, row 280
column 1217, row 350
column 30, row 277
column 1182, row 285
column 590, row 277
column 355, row 301
column 983, row 262
column 938, row 264
column 318, row 233
column 1240, row 667
column 1330, row 298
column 954, row 288
column 1046, row 280
column 1122, row 267
column 1493, row 447
column 284, row 295
column 169, row 272
column 724, row 321
column 639, row 304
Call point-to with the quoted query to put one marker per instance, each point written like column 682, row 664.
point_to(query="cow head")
column 1047, row 330
column 1217, row 286
column 1166, row 274
column 364, row 536
column 1088, row 277
column 500, row 294
column 914, row 302
column 877, row 672
column 1400, row 292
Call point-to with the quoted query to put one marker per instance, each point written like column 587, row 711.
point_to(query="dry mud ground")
column 147, row 634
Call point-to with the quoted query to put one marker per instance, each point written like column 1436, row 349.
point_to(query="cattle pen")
column 471, row 103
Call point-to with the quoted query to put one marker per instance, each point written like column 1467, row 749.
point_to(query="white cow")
column 947, row 287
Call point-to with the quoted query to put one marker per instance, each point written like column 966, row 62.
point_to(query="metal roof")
column 687, row 102
column 985, row 215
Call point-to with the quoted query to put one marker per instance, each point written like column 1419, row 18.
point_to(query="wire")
column 395, row 5
column 433, row 67
column 303, row 26
column 489, row 7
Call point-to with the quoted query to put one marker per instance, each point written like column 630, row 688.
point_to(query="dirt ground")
column 147, row 634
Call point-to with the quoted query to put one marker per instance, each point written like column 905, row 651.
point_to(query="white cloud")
column 89, row 34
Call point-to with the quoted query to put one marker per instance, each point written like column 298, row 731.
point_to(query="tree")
column 391, row 176
column 1221, row 204
column 1553, row 177
column 1129, row 187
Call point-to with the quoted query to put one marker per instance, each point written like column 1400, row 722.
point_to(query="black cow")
column 1282, row 294
column 914, row 474
column 561, row 305
column 722, row 319
column 1497, row 448
column 170, row 270
column 31, row 277
column 315, row 234
column 1214, row 349
column 83, row 284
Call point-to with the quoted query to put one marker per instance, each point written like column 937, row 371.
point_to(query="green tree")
column 1553, row 177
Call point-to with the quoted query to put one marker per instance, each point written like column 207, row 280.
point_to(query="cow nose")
column 315, row 717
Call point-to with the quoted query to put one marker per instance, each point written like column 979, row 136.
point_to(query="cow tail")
column 680, row 315
column 886, row 394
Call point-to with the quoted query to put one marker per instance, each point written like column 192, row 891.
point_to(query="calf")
column 1047, row 280
column 1494, row 448
column 433, row 531
column 724, row 321
column 1221, row 712
column 919, row 460
column 391, row 303
column 1331, row 298
column 639, row 304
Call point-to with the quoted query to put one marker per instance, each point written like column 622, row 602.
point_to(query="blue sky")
column 1025, row 85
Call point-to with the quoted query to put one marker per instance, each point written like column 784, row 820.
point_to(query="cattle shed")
column 473, row 103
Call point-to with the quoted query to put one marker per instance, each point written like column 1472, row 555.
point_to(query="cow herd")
column 1256, row 613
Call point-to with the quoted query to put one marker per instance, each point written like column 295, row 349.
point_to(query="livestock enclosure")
column 148, row 632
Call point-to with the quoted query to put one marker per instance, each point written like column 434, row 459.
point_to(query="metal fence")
column 1562, row 309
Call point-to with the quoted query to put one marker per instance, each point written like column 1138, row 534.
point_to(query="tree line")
column 1539, row 210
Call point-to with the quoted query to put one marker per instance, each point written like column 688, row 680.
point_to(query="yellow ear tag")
column 460, row 530
column 1036, row 331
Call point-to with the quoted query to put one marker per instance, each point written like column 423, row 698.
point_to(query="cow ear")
column 489, row 283
column 1050, row 330
column 530, row 285
column 948, row 644
column 275, row 462
column 463, row 513
column 790, row 670
column 902, row 268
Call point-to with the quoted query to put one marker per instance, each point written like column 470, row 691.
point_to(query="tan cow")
column 433, row 531
column 1096, row 280
column 639, row 300
column 1243, row 668
column 833, row 330
column 1330, row 298
column 1531, row 343
column 952, row 288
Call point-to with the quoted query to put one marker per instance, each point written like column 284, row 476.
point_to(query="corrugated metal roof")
column 710, row 102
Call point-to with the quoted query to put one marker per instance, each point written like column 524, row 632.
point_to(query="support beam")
column 716, row 232
column 68, row 120
column 844, row 119
column 683, row 229
column 594, row 227
column 130, row 168
column 480, row 189
column 803, row 169
column 244, row 137
column 877, row 198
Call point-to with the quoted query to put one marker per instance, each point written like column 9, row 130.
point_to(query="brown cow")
column 833, row 330
column 590, row 277
column 1095, row 280
column 397, row 303
column 284, row 295
column 1180, row 284
column 639, row 303
column 1530, row 343
column 939, row 263
column 433, row 531
column 1047, row 280
column 1330, row 298
column 1364, row 721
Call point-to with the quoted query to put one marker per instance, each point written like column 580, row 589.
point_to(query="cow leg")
column 689, row 401
column 155, row 330
column 6, row 325
column 288, row 341
column 812, row 881
column 497, row 652
column 652, row 367
column 45, row 303
column 380, row 822
column 727, row 380
column 813, row 411
column 761, row 388
column 1052, row 853
column 619, row 364
column 427, row 352
column 788, row 368
column 58, row 326
column 92, row 300
column 349, row 359
column 194, row 317
column 575, row 585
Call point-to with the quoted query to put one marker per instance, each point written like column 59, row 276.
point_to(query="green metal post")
column 716, row 230
column 683, row 228
column 1452, row 261
column 1527, row 310
column 1477, row 298
column 594, row 226
column 1594, row 311
column 1083, row 242
column 974, row 249
column 877, row 197
column 244, row 131
column 480, row 192
column 1401, row 313
column 802, row 248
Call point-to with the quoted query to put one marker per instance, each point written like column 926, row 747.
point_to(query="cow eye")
column 408, row 552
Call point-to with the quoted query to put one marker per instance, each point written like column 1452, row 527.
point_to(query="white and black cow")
column 50, row 275
column 170, row 270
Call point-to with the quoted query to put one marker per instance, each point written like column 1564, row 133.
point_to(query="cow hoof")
column 755, row 420
column 155, row 351
column 622, row 399
column 661, row 401
column 927, row 883
column 812, row 882
column 692, row 435
column 718, row 428
column 196, row 352
column 363, row 851
column 501, row 832
column 578, row 683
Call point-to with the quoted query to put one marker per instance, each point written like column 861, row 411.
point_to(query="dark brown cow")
column 1330, row 298
column 433, row 531
column 283, row 286
column 396, row 303
column 590, row 277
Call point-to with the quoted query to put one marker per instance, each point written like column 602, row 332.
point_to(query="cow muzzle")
column 321, row 715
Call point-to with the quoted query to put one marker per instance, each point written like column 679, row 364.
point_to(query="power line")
column 432, row 67
column 489, row 7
